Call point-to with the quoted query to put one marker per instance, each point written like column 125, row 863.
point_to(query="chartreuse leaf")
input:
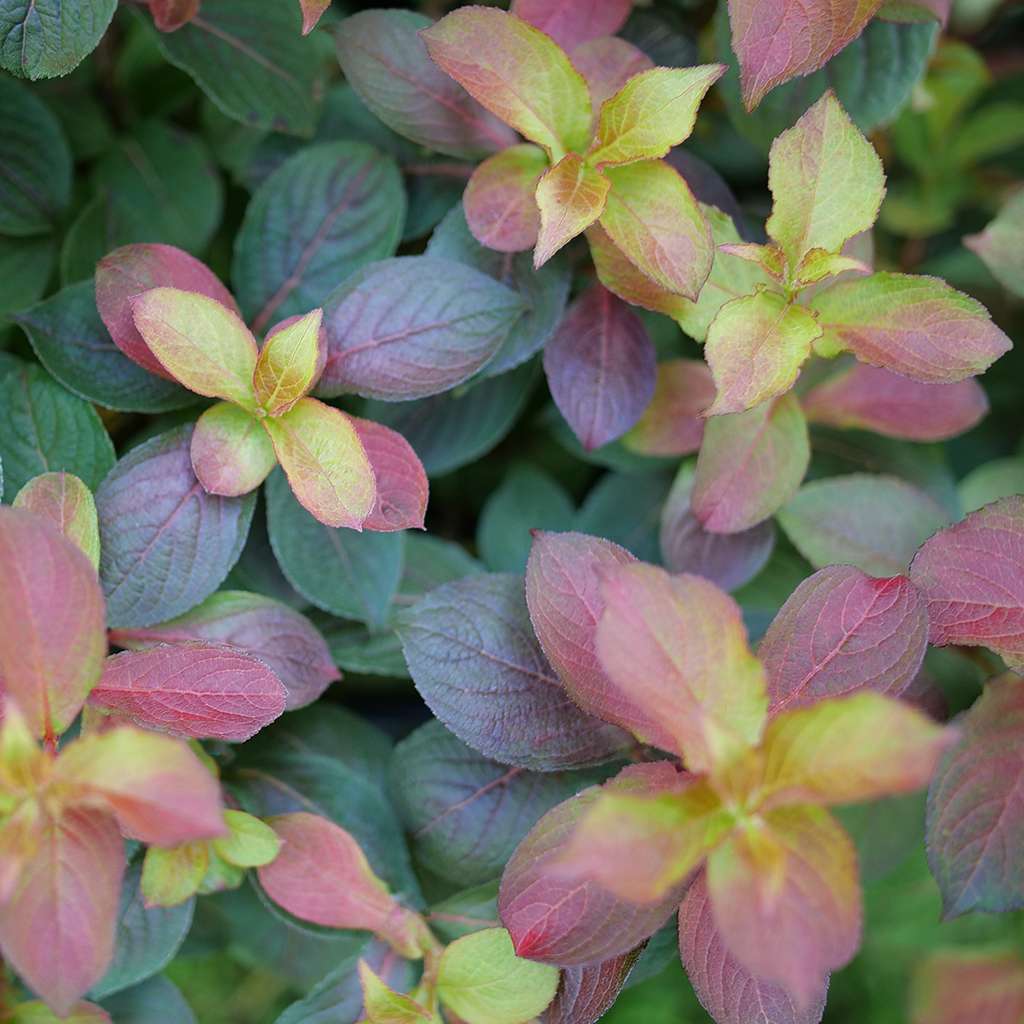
column 818, row 264
column 231, row 452
column 47, row 38
column 517, row 72
column 968, row 984
column 326, row 464
column 999, row 245
column 652, row 216
column 200, row 342
column 974, row 816
column 826, row 180
column 571, row 24
column 484, row 982
column 755, row 348
column 250, row 843
column 52, row 621
column 173, row 875
column 499, row 202
column 972, row 577
column 570, row 197
column 69, row 505
column 917, row 326
column 666, row 641
column 39, row 1013
column 654, row 111
column 786, row 899
column 383, row 1005
column 289, row 363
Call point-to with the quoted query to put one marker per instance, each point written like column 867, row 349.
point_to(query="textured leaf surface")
column 749, row 465
column 600, row 367
column 570, row 197
column 842, row 631
column 47, row 38
column 166, row 544
column 68, row 504
column 401, row 481
column 477, row 664
column 289, row 362
column 585, row 994
column 608, row 63
column 672, row 423
column 574, row 22
column 873, row 522
column 231, row 452
column 972, row 577
column 501, row 210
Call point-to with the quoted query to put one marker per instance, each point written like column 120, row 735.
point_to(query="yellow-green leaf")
column 571, row 196
column 68, row 504
column 292, row 358
column 250, row 843
column 383, row 1005
column 171, row 876
column 231, row 452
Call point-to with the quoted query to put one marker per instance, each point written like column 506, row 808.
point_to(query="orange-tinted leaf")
column 52, row 621
column 499, row 202
column 66, row 502
column 231, row 452
column 571, row 22
column 312, row 12
column 959, row 985
column 401, row 480
column 570, row 197
column 291, row 360
column 169, row 15
column 672, row 424
column 327, row 467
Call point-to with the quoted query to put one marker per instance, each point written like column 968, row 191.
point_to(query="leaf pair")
column 573, row 172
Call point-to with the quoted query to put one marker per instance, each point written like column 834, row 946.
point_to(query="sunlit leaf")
column 68, row 504
column 289, row 363
column 570, row 197
column 501, row 210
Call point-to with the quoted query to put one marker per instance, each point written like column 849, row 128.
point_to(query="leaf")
column 172, row 877
column 730, row 993
column 842, row 631
column 312, row 12
column 450, row 321
column 278, row 635
column 202, row 344
column 146, row 938
column 385, row 1006
column 572, row 23
column 850, row 749
column 653, row 217
column 166, row 544
column 968, row 984
column 250, row 59
column 466, row 814
column 231, row 452
column 57, row 926
column 755, row 348
column 346, row 573
column 868, row 398
column 44, row 429
column 997, row 248
column 35, row 161
column 37, row 1012
column 600, row 367
column 990, row 481
column 516, row 72
column 749, row 465
column 158, row 789
column 499, row 203
column 157, row 995
column 46, row 38
column 51, row 622
column 388, row 66
column 972, row 577
column 665, row 641
column 480, row 977
column 786, row 900
column 654, row 111
column 608, row 63
column 672, row 423
column 401, row 481
column 169, row 15
column 127, row 272
column 474, row 660
column 324, row 214
column 289, row 363
column 328, row 470
column 570, row 197
column 775, row 44
column 875, row 522
column 585, row 994
column 194, row 689
column 916, row 326
column 576, row 922
column 68, row 504
column 729, row 560
column 823, row 147
column 26, row 266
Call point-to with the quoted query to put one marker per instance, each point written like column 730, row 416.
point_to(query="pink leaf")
column 727, row 990
column 600, row 367
column 127, row 272
column 972, row 576
column 673, row 423
column 499, row 202
column 278, row 635
column 402, row 486
column 57, row 927
column 607, row 64
column 197, row 690
column 585, row 994
column 571, row 922
column 52, row 621
column 312, row 12
column 169, row 15
column 842, row 631
column 571, row 22
column 964, row 984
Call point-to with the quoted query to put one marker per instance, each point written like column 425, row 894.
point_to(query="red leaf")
column 402, row 487
column 600, row 367
column 197, row 690
column 585, row 994
column 842, row 631
column 571, row 22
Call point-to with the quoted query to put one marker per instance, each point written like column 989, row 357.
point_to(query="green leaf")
column 35, row 162
column 45, row 429
column 231, row 452
column 68, row 504
column 251, row 843
column 47, row 38
column 155, row 999
column 325, row 213
column 248, row 56
column 385, row 1006
column 25, row 268
column 484, row 982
